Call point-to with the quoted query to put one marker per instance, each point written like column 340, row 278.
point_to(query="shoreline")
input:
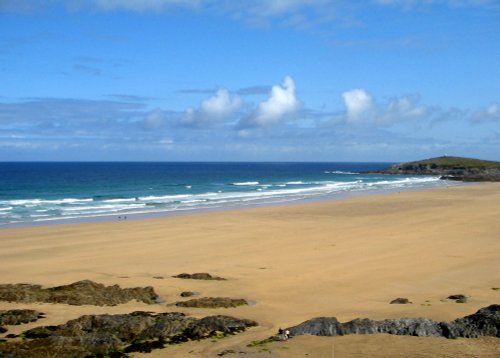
column 224, row 207
column 346, row 258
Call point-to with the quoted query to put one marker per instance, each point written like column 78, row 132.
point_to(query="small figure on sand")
column 283, row 335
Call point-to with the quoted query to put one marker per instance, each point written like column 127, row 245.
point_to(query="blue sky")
column 253, row 80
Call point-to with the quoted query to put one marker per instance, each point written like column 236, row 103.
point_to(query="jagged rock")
column 400, row 301
column 79, row 293
column 330, row 326
column 198, row 276
column 212, row 302
column 421, row 327
column 15, row 317
column 187, row 294
column 117, row 335
column 485, row 322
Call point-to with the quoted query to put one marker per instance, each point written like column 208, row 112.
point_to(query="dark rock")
column 118, row 335
column 15, row 317
column 3, row 329
column 11, row 336
column 187, row 294
column 421, row 327
column 321, row 326
column 40, row 332
column 198, row 276
column 400, row 301
column 213, row 302
column 359, row 326
column 458, row 298
column 79, row 293
column 485, row 322
column 227, row 351
column 449, row 168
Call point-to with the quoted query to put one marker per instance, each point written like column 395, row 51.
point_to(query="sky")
column 249, row 80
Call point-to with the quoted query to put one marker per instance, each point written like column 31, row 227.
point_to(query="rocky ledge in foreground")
column 79, row 293
column 212, row 302
column 16, row 317
column 452, row 168
column 485, row 322
column 118, row 335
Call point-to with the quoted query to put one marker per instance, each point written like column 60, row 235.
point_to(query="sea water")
column 33, row 193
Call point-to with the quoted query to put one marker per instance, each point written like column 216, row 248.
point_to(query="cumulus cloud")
column 361, row 108
column 358, row 104
column 212, row 110
column 281, row 105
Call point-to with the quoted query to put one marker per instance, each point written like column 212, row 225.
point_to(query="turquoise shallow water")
column 33, row 193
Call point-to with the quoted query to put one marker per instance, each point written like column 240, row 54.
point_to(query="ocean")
column 41, row 192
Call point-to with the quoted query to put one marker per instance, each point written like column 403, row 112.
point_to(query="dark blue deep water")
column 44, row 192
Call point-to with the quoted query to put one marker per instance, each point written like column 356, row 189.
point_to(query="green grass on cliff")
column 459, row 162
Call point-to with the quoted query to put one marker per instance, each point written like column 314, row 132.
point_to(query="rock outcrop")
column 400, row 301
column 118, row 335
column 199, row 276
column 452, row 168
column 79, row 293
column 212, row 302
column 15, row 317
column 485, row 322
column 459, row 298
column 187, row 293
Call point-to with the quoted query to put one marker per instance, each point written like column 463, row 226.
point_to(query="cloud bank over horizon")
column 50, row 124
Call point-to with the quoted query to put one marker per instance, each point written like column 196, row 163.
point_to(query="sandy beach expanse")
column 346, row 258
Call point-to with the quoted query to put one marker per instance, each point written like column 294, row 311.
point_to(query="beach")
column 346, row 258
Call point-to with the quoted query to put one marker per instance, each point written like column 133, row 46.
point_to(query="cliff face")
column 452, row 168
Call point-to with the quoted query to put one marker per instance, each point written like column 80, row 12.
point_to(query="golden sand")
column 346, row 258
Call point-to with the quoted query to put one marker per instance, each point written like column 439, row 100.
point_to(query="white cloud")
column 212, row 110
column 361, row 108
column 358, row 104
column 278, row 7
column 490, row 113
column 400, row 109
column 281, row 104
column 221, row 105
column 155, row 119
